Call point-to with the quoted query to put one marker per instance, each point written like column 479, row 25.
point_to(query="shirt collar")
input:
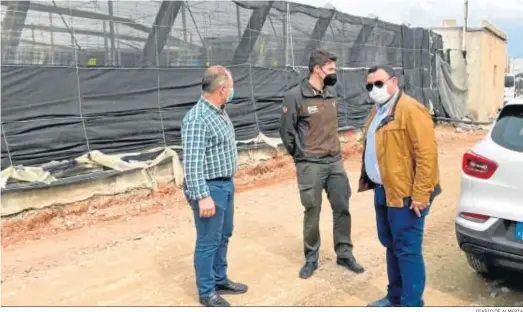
column 314, row 90
column 210, row 105
column 309, row 91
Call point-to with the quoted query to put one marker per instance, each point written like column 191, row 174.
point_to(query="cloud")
column 427, row 13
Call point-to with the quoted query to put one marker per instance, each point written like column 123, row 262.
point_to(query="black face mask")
column 330, row 80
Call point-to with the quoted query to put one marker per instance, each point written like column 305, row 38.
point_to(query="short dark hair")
column 320, row 58
column 386, row 68
column 214, row 77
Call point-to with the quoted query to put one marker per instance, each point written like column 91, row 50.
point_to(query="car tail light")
column 474, row 217
column 478, row 166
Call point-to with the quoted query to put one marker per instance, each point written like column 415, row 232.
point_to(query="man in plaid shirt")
column 210, row 160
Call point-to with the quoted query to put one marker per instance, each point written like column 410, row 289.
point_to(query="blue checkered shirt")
column 209, row 147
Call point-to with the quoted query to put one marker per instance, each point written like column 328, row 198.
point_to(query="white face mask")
column 379, row 95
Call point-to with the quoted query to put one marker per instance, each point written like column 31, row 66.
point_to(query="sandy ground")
column 137, row 248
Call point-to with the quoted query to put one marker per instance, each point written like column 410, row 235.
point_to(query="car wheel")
column 477, row 264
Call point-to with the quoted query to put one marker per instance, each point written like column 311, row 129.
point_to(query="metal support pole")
column 250, row 35
column 51, row 33
column 465, row 26
column 238, row 24
column 184, row 21
column 106, row 43
column 111, row 32
column 286, row 38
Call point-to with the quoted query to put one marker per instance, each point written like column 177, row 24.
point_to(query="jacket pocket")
column 308, row 182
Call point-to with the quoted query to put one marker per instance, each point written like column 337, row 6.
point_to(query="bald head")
column 217, row 85
column 214, row 78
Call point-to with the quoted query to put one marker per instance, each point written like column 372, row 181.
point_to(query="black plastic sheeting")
column 198, row 33
column 59, row 113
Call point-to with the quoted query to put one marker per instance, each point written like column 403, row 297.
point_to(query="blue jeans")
column 212, row 237
column 401, row 232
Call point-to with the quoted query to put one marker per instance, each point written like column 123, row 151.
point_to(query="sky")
column 506, row 15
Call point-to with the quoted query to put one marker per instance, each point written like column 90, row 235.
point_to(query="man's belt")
column 224, row 179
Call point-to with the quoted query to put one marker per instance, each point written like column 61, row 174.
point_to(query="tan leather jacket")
column 407, row 153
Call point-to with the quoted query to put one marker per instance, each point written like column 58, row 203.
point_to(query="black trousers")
column 313, row 178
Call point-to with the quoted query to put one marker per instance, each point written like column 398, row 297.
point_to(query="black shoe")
column 231, row 288
column 214, row 300
column 307, row 270
column 351, row 264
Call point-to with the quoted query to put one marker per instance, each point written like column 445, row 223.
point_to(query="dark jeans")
column 313, row 178
column 401, row 232
column 212, row 237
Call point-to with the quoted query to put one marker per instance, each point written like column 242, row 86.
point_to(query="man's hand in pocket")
column 207, row 208
column 418, row 207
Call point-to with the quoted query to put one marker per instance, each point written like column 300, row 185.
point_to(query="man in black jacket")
column 309, row 131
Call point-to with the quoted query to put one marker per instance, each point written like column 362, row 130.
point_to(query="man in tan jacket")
column 400, row 162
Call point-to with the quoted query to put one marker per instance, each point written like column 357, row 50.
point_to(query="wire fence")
column 197, row 33
column 118, row 76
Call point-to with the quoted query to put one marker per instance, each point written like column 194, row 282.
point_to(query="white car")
column 489, row 225
column 510, row 88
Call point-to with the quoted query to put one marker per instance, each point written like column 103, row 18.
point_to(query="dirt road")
column 137, row 249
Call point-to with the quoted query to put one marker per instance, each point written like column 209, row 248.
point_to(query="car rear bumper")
column 495, row 250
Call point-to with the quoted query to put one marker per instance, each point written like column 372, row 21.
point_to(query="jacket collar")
column 308, row 91
column 392, row 112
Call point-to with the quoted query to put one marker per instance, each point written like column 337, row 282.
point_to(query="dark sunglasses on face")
column 378, row 84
